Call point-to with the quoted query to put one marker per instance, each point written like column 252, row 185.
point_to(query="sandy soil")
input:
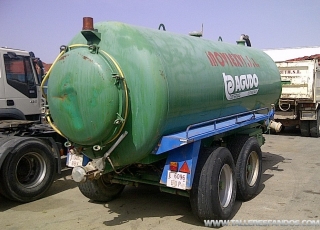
column 289, row 190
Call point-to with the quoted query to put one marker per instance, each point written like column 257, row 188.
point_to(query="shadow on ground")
column 288, row 131
column 148, row 202
column 270, row 162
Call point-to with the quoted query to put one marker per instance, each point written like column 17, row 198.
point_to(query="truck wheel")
column 101, row 189
column 214, row 187
column 248, row 169
column 28, row 171
column 2, row 192
column 315, row 126
column 247, row 154
column 305, row 128
column 235, row 145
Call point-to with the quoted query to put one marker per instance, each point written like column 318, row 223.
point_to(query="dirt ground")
column 289, row 190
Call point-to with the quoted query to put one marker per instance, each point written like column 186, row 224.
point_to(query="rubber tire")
column 245, row 191
column 3, row 141
column 315, row 126
column 235, row 145
column 101, row 189
column 12, row 171
column 204, row 195
column 305, row 128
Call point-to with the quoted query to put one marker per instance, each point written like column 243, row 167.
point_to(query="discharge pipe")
column 276, row 126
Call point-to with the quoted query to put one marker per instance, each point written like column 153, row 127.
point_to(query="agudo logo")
column 240, row 86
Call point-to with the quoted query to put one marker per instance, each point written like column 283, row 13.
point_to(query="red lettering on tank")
column 233, row 60
column 254, row 63
column 249, row 64
column 230, row 59
column 238, row 60
column 219, row 58
column 226, row 58
column 243, row 61
column 211, row 58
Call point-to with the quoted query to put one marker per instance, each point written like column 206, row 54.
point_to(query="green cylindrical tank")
column 151, row 83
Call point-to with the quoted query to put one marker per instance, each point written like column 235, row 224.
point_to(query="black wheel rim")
column 30, row 170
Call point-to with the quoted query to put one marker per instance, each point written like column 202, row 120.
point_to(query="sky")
column 43, row 26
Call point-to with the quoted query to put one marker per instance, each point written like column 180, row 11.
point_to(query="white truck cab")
column 20, row 94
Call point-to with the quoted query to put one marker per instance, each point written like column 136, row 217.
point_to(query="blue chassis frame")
column 185, row 146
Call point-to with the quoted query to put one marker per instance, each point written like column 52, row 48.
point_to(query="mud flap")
column 185, row 158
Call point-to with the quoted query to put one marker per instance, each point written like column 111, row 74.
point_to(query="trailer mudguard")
column 184, row 148
column 186, row 159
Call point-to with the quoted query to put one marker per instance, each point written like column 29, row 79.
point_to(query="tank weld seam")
column 119, row 76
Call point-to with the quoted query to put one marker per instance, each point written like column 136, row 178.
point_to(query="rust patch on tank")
column 62, row 57
column 63, row 97
column 87, row 59
column 162, row 74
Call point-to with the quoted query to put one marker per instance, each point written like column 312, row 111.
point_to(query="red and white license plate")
column 177, row 180
column 74, row 160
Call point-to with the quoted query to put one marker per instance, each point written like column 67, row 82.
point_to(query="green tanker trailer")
column 186, row 114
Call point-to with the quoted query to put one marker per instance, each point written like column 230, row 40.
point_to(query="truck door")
column 20, row 85
column 2, row 80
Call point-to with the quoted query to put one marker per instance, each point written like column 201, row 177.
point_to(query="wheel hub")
column 225, row 185
column 252, row 168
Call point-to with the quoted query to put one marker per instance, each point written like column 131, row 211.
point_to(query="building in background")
column 284, row 54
